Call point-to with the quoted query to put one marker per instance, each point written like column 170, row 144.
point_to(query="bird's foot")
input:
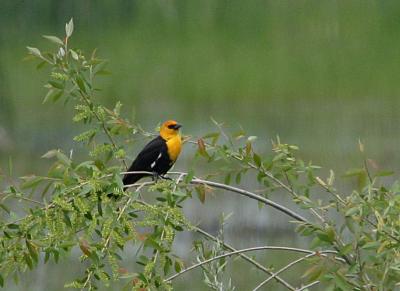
column 165, row 177
column 155, row 177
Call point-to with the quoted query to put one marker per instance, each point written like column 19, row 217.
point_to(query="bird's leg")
column 165, row 178
column 155, row 177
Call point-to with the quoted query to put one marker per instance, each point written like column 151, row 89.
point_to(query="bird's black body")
column 153, row 158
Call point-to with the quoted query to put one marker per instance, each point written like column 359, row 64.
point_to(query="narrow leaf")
column 34, row 51
column 69, row 28
column 54, row 39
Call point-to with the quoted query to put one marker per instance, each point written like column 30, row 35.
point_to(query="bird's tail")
column 130, row 179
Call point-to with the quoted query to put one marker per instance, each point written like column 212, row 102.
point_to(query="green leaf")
column 32, row 251
column 10, row 166
column 74, row 55
column 238, row 178
column 31, row 182
column 313, row 273
column 41, row 65
column 341, row 282
column 81, row 84
column 371, row 245
column 227, row 179
column 57, row 85
column 384, row 174
column 346, row 249
column 189, row 177
column 257, row 160
column 56, row 255
column 1, row 281
column 52, row 95
column 179, row 193
column 63, row 158
column 28, row 261
column 34, row 51
column 352, row 211
column 47, row 256
column 50, row 154
column 5, row 208
column 327, row 235
column 202, row 148
column 354, row 172
column 13, row 226
column 103, row 72
column 69, row 28
column 54, row 39
column 350, row 224
column 201, row 193
column 178, row 265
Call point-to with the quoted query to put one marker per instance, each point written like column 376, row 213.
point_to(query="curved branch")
column 249, row 250
column 251, row 195
column 308, row 286
column 283, row 269
column 197, row 181
column 247, row 258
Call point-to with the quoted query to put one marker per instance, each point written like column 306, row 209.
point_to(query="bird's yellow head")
column 169, row 129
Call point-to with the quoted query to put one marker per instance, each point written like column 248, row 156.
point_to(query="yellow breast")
column 174, row 147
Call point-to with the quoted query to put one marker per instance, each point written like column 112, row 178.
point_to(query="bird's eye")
column 171, row 126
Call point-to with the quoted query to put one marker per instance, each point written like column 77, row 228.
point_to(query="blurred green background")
column 321, row 74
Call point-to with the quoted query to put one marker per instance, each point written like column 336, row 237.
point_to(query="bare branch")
column 252, row 195
column 249, row 194
column 308, row 286
column 310, row 253
column 289, row 266
column 245, row 257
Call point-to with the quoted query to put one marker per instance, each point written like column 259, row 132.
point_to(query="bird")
column 158, row 156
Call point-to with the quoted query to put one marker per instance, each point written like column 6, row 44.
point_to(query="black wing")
column 153, row 158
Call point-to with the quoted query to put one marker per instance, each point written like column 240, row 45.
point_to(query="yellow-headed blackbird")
column 159, row 155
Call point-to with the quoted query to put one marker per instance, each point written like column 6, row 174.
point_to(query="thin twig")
column 285, row 268
column 243, row 192
column 308, row 286
column 270, row 176
column 166, row 217
column 247, row 250
column 109, row 236
column 30, row 200
column 106, row 131
column 245, row 257
column 229, row 247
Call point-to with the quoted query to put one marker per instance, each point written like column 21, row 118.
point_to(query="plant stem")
column 310, row 253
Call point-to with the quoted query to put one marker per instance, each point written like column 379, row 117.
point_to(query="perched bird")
column 159, row 155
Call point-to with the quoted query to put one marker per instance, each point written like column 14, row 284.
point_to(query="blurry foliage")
column 355, row 237
column 305, row 70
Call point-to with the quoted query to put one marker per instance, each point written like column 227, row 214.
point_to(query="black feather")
column 154, row 153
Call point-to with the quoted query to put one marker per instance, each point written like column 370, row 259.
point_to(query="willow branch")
column 245, row 257
column 283, row 269
column 310, row 253
column 197, row 181
column 308, row 286
column 106, row 131
column 251, row 195
column 131, row 198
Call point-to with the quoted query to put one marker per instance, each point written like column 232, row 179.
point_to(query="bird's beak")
column 177, row 126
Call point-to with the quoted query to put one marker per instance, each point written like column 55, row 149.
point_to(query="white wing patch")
column 153, row 164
